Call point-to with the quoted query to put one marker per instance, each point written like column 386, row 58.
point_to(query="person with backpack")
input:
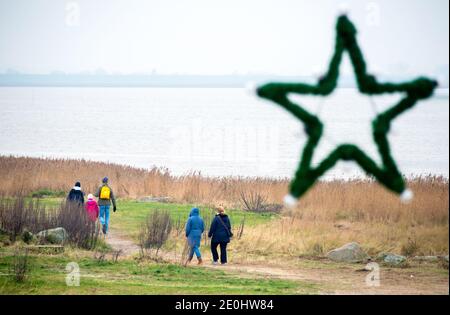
column 105, row 197
column 220, row 234
column 76, row 195
column 194, row 230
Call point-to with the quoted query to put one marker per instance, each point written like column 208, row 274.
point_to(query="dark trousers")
column 223, row 251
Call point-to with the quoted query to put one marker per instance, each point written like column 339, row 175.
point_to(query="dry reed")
column 331, row 214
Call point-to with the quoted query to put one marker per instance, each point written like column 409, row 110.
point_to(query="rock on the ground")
column 155, row 199
column 392, row 259
column 426, row 258
column 351, row 253
column 446, row 258
column 54, row 236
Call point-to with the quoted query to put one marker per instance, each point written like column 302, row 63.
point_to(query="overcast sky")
column 218, row 36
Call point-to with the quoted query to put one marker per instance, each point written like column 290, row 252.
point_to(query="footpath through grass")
column 47, row 276
column 131, row 214
column 132, row 276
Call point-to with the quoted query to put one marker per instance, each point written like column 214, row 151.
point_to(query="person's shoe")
column 214, row 263
column 104, row 229
column 223, row 264
column 200, row 261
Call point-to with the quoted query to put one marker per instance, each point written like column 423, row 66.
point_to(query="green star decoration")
column 387, row 173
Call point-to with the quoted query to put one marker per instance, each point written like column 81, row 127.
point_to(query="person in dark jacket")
column 194, row 230
column 220, row 234
column 76, row 194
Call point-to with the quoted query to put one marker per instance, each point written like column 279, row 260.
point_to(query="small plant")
column 100, row 256
column 19, row 267
column 73, row 218
column 155, row 231
column 410, row 248
column 240, row 230
column 115, row 255
column 27, row 236
column 255, row 201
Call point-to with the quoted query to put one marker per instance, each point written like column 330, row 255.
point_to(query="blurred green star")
column 387, row 173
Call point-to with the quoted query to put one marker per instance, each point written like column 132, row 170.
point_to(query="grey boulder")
column 54, row 236
column 350, row 253
column 392, row 259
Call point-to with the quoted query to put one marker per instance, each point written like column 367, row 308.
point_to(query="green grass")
column 47, row 193
column 131, row 214
column 48, row 275
column 47, row 272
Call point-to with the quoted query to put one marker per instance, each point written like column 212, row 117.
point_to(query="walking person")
column 194, row 230
column 76, row 195
column 106, row 196
column 220, row 234
column 92, row 210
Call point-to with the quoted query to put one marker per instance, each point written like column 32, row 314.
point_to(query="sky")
column 284, row 37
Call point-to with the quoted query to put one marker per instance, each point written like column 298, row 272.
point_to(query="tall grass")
column 330, row 214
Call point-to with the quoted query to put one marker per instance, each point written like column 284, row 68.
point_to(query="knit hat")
column 105, row 179
column 90, row 196
column 77, row 184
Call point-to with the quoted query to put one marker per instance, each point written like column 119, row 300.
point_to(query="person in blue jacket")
column 194, row 230
column 220, row 233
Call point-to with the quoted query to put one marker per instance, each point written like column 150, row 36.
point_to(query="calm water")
column 215, row 131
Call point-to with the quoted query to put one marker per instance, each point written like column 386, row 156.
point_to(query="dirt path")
column 120, row 242
column 342, row 279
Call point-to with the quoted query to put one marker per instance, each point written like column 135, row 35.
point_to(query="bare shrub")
column 240, row 230
column 155, row 231
column 17, row 217
column 410, row 247
column 20, row 265
column 100, row 257
column 185, row 254
column 255, row 201
column 73, row 218
column 115, row 255
column 178, row 226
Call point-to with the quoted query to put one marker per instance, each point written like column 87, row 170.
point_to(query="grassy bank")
column 47, row 276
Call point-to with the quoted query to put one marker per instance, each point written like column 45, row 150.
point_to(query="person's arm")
column 69, row 196
column 212, row 228
column 188, row 227
column 82, row 197
column 228, row 223
column 113, row 199
column 97, row 210
column 97, row 194
column 203, row 226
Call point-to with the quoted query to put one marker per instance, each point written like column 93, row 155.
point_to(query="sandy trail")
column 345, row 280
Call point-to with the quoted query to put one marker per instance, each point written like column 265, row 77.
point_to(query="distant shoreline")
column 159, row 80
